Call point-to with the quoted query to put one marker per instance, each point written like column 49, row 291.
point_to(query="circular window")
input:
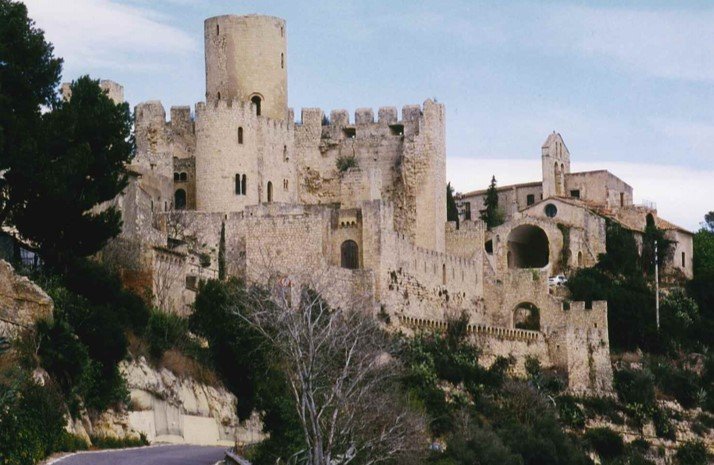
column 551, row 210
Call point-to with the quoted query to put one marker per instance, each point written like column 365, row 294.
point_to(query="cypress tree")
column 491, row 214
column 452, row 212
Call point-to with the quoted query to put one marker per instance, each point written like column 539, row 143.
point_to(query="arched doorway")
column 526, row 316
column 180, row 199
column 349, row 255
column 528, row 247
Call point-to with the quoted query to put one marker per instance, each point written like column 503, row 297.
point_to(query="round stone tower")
column 246, row 58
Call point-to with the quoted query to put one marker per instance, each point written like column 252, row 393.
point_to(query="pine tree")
column 452, row 212
column 491, row 214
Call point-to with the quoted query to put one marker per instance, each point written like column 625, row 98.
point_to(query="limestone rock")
column 22, row 302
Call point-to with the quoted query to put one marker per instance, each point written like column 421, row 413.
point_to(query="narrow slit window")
column 242, row 185
column 240, row 135
column 282, row 61
column 238, row 184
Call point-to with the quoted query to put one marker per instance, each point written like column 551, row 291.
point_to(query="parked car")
column 557, row 280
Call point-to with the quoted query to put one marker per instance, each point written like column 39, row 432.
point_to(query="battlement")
column 387, row 119
column 481, row 330
column 242, row 109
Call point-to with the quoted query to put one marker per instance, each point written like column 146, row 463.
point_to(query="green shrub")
column 663, row 425
column 345, row 162
column 570, row 412
column 478, row 445
column 31, row 423
column 165, row 331
column 107, row 442
column 692, row 453
column 681, row 384
column 71, row 442
column 602, row 406
column 607, row 443
column 635, row 387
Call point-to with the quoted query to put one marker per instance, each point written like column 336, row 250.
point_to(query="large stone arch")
column 526, row 315
column 528, row 247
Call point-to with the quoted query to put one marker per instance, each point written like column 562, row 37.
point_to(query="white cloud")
column 683, row 195
column 665, row 43
column 106, row 34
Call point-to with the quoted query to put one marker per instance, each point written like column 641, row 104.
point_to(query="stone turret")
column 246, row 59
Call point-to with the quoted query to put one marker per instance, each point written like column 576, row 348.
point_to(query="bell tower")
column 556, row 164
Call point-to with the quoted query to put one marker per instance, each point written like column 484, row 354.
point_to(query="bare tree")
column 342, row 379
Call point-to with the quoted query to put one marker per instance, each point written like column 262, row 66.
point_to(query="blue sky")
column 629, row 85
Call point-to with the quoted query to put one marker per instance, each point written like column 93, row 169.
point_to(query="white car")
column 557, row 280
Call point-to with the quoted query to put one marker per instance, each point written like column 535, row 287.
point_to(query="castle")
column 239, row 188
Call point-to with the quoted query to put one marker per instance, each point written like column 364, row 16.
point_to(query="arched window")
column 270, row 191
column 238, row 184
column 219, row 95
column 282, row 31
column 180, row 199
column 443, row 274
column 183, row 177
column 282, row 61
column 256, row 102
column 242, row 186
column 285, row 184
column 218, row 29
column 176, row 176
column 240, row 135
column 580, row 259
column 349, row 255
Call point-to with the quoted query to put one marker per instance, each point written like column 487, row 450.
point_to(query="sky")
column 629, row 85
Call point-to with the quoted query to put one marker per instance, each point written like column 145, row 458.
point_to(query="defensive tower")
column 246, row 58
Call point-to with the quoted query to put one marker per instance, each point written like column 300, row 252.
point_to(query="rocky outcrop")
column 22, row 302
column 168, row 408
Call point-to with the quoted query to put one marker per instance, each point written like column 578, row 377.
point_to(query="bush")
column 106, row 442
column 607, row 443
column 692, row 453
column 478, row 445
column 345, row 162
column 663, row 425
column 681, row 384
column 635, row 387
column 31, row 423
column 165, row 331
column 570, row 412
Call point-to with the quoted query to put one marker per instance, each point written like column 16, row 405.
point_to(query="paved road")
column 162, row 455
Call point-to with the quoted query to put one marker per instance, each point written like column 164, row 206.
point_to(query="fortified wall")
column 354, row 206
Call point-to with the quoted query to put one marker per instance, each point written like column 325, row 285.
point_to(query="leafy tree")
column 692, row 453
column 701, row 288
column 709, row 222
column 651, row 236
column 80, row 164
column 492, row 215
column 452, row 212
column 29, row 74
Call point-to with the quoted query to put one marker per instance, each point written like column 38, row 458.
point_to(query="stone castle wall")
column 264, row 157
